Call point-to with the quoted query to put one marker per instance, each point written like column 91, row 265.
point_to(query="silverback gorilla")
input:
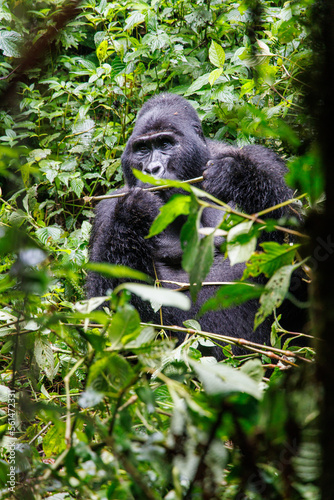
column 168, row 142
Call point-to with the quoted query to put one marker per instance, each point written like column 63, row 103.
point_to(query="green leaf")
column 6, row 281
column 172, row 183
column 241, row 243
column 44, row 357
column 221, row 379
column 4, row 393
column 125, row 323
column 189, row 237
column 161, row 182
column 198, row 84
column 202, row 264
column 216, row 55
column 44, row 234
column 133, row 20
column 110, row 373
column 254, row 369
column 146, row 336
column 163, row 296
column 214, row 75
column 306, row 173
column 10, row 42
column 232, row 295
column 54, row 440
column 276, row 290
column 101, row 51
column 270, row 260
column 114, row 271
column 77, row 186
column 177, row 205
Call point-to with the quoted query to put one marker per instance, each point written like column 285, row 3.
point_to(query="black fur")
column 168, row 142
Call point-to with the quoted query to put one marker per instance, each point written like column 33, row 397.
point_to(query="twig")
column 87, row 199
column 68, row 401
column 220, row 205
column 262, row 349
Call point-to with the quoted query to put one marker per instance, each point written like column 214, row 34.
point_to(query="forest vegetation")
column 95, row 404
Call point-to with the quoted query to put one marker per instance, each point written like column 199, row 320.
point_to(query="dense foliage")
column 106, row 406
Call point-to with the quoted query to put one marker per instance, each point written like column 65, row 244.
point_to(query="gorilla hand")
column 224, row 177
column 137, row 210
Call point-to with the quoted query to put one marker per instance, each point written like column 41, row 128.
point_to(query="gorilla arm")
column 118, row 236
column 252, row 177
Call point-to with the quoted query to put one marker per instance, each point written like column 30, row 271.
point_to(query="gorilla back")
column 168, row 142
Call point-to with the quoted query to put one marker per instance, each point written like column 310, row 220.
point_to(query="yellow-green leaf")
column 216, row 55
column 101, row 51
column 214, row 75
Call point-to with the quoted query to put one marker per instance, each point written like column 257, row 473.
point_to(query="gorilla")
column 168, row 142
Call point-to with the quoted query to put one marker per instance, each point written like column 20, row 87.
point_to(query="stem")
column 68, row 401
column 87, row 199
column 230, row 340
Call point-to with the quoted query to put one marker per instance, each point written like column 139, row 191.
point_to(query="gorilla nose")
column 155, row 169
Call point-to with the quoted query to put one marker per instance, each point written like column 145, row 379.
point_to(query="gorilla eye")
column 166, row 143
column 141, row 147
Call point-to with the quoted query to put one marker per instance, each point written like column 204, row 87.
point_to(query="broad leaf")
column 101, row 51
column 163, row 296
column 203, row 262
column 177, row 205
column 133, row 20
column 125, row 326
column 221, row 379
column 114, row 271
column 110, row 373
column 272, row 258
column 214, row 75
column 276, row 290
column 216, row 55
column 10, row 42
column 241, row 242
column 198, row 84
column 77, row 186
column 232, row 295
column 189, row 237
column 44, row 234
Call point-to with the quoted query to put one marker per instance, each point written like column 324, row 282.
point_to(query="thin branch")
column 247, row 344
column 88, row 199
column 68, row 401
column 220, row 205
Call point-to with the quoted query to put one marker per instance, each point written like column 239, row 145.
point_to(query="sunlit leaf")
column 270, row 260
column 216, row 54
column 163, row 296
column 10, row 42
column 45, row 234
column 241, row 243
column 220, row 379
column 177, row 205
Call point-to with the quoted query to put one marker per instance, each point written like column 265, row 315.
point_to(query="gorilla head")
column 167, row 141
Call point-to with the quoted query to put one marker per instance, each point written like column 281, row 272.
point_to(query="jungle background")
column 95, row 404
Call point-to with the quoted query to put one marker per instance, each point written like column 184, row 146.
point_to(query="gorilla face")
column 154, row 153
column 167, row 141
